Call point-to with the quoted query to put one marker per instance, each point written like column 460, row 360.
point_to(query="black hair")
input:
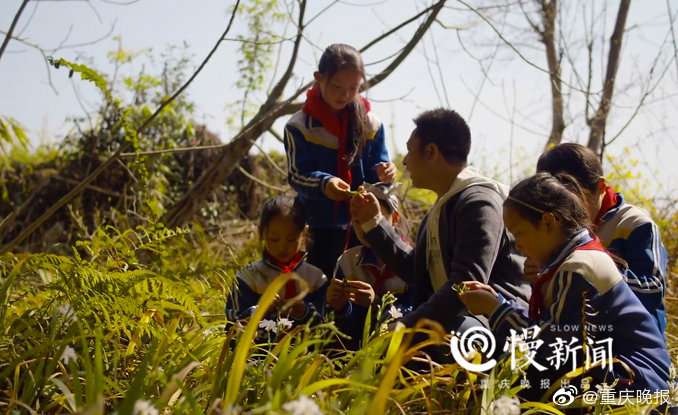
column 338, row 57
column 448, row 130
column 546, row 193
column 576, row 160
column 284, row 206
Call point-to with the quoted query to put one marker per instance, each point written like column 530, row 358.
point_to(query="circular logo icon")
column 565, row 395
column 477, row 339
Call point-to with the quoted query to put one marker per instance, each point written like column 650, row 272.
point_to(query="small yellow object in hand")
column 459, row 288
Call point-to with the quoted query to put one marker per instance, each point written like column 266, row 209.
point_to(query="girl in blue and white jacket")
column 333, row 145
column 579, row 290
column 624, row 229
column 282, row 229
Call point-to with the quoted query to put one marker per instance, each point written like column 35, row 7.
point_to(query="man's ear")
column 430, row 151
column 317, row 76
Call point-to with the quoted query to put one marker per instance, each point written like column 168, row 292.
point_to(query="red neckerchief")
column 285, row 267
column 337, row 123
column 380, row 275
column 610, row 200
column 536, row 309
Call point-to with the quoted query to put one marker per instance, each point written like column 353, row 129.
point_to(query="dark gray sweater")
column 475, row 246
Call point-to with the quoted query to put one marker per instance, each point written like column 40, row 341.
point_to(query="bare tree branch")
column 271, row 110
column 223, row 166
column 15, row 20
column 416, row 37
column 260, row 181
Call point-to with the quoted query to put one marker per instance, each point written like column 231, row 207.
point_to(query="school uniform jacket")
column 629, row 232
column 589, row 280
column 354, row 264
column 312, row 160
column 252, row 281
column 475, row 246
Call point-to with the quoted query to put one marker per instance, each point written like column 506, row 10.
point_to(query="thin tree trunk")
column 599, row 120
column 549, row 10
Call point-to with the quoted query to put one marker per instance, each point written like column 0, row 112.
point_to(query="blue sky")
column 508, row 111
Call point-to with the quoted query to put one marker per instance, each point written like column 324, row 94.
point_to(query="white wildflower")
column 142, row 407
column 284, row 323
column 395, row 312
column 506, row 405
column 68, row 355
column 268, row 325
column 302, row 406
column 67, row 313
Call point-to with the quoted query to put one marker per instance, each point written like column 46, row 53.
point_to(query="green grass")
column 136, row 318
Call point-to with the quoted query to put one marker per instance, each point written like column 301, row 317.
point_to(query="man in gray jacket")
column 462, row 237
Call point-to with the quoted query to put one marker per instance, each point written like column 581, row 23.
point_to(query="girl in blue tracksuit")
column 625, row 230
column 282, row 230
column 333, row 145
column 361, row 278
column 579, row 292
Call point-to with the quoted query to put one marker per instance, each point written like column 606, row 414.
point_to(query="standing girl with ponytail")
column 333, row 145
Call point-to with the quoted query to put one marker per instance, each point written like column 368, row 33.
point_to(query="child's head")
column 340, row 75
column 581, row 163
column 388, row 203
column 543, row 212
column 440, row 136
column 282, row 227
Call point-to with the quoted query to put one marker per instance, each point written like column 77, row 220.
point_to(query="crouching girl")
column 282, row 228
column 578, row 291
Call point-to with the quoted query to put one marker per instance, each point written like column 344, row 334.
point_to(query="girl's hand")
column 298, row 310
column 530, row 270
column 360, row 292
column 386, row 171
column 364, row 207
column 337, row 189
column 336, row 297
column 479, row 298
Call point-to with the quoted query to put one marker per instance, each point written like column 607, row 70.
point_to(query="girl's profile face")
column 537, row 242
column 282, row 238
column 340, row 89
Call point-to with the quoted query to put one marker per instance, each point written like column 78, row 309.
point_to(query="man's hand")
column 337, row 189
column 364, row 207
column 386, row 171
column 479, row 298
